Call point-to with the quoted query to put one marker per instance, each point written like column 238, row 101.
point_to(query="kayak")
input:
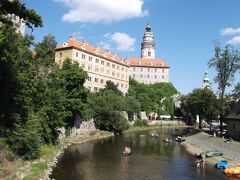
column 213, row 154
column 232, row 171
column 126, row 153
column 180, row 139
column 222, row 164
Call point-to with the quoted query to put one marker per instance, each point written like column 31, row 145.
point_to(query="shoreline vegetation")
column 41, row 168
column 202, row 142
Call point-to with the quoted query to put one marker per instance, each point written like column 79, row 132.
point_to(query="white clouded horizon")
column 102, row 11
column 234, row 41
column 229, row 31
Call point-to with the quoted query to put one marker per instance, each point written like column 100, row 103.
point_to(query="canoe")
column 180, row 139
column 232, row 171
column 222, row 164
column 213, row 154
column 126, row 153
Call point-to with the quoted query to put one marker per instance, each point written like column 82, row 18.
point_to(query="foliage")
column 153, row 97
column 226, row 62
column 26, row 140
column 202, row 102
column 132, row 107
column 17, row 8
column 140, row 123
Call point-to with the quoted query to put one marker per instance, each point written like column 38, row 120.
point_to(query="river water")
column 151, row 159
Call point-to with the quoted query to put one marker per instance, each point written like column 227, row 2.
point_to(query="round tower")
column 148, row 45
column 206, row 82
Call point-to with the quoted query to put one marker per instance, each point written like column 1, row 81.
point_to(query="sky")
column 185, row 31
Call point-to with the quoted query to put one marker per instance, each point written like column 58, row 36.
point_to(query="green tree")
column 132, row 107
column 203, row 102
column 30, row 17
column 226, row 63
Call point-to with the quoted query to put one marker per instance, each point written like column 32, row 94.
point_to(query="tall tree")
column 226, row 62
column 203, row 102
column 15, row 7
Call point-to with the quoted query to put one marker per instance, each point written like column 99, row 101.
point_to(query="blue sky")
column 185, row 31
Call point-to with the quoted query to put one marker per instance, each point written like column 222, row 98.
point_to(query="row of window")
column 90, row 58
column 98, row 80
column 102, row 70
column 148, row 76
column 149, row 69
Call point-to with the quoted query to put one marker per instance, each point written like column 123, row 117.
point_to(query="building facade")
column 148, row 69
column 101, row 66
column 233, row 122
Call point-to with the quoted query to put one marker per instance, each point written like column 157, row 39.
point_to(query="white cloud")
column 102, row 11
column 234, row 41
column 123, row 41
column 229, row 31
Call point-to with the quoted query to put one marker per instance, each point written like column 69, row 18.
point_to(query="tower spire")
column 148, row 44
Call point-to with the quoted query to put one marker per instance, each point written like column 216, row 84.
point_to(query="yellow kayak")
column 232, row 170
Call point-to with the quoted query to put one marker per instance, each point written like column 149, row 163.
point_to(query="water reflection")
column 151, row 159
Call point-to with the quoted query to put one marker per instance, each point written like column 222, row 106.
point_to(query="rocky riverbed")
column 201, row 142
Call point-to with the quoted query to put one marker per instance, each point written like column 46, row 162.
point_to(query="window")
column 96, row 69
column 108, row 64
column 155, row 70
column 89, row 78
column 134, row 75
column 148, row 76
column 113, row 65
column 121, row 85
column 118, row 67
column 60, row 54
column 148, row 69
column 89, row 67
column 76, row 54
column 140, row 75
column 134, row 69
column 90, row 58
column 155, row 77
column 96, row 79
column 141, row 69
column 83, row 56
column 117, row 84
column 113, row 73
column 162, row 76
column 149, row 53
column 122, row 68
column 126, row 86
column 163, row 70
column 97, row 60
column 102, row 69
column 102, row 81
column 95, row 88
column 234, row 126
column 102, row 62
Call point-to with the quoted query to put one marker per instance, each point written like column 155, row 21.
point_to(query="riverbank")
column 42, row 167
column 202, row 142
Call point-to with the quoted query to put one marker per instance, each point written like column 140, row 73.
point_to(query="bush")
column 141, row 123
column 26, row 139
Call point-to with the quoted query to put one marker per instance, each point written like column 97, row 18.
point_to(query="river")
column 151, row 159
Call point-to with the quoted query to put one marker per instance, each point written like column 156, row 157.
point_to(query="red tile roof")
column 84, row 46
column 141, row 62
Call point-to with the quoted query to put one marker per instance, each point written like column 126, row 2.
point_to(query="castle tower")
column 206, row 82
column 148, row 45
